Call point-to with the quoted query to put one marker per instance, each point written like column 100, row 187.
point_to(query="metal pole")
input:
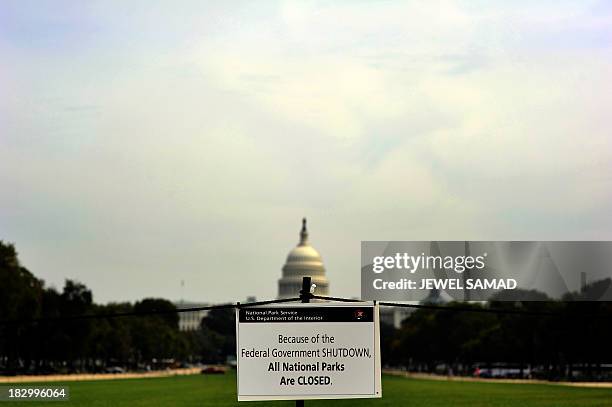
column 305, row 291
column 305, row 296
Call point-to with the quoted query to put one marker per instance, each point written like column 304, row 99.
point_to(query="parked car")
column 213, row 370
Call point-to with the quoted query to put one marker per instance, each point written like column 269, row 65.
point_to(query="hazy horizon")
column 145, row 143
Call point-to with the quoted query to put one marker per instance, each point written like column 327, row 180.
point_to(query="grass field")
column 220, row 391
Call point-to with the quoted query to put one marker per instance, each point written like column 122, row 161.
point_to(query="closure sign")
column 308, row 351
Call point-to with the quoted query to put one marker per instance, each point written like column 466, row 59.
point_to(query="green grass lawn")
column 220, row 391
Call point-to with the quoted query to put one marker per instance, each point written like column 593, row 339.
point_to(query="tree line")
column 554, row 340
column 572, row 344
column 133, row 342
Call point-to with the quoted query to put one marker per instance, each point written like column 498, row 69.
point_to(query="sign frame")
column 377, row 384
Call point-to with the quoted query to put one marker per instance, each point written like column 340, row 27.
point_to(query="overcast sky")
column 143, row 143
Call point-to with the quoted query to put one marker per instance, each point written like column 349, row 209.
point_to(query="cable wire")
column 146, row 313
column 296, row 299
column 469, row 309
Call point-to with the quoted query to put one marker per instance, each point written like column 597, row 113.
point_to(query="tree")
column 218, row 340
column 20, row 298
column 154, row 336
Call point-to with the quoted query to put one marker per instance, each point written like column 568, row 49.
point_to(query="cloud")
column 157, row 143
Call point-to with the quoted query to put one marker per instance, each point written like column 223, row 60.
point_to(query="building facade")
column 190, row 320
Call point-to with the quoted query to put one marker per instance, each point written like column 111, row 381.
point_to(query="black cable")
column 497, row 310
column 339, row 299
column 482, row 310
column 136, row 313
column 466, row 309
column 320, row 297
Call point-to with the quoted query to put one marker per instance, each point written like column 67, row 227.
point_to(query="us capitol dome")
column 302, row 261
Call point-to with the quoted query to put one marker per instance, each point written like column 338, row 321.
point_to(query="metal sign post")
column 305, row 296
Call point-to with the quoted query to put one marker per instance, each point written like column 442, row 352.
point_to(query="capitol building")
column 302, row 261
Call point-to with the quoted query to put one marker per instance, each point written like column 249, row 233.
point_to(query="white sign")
column 308, row 351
